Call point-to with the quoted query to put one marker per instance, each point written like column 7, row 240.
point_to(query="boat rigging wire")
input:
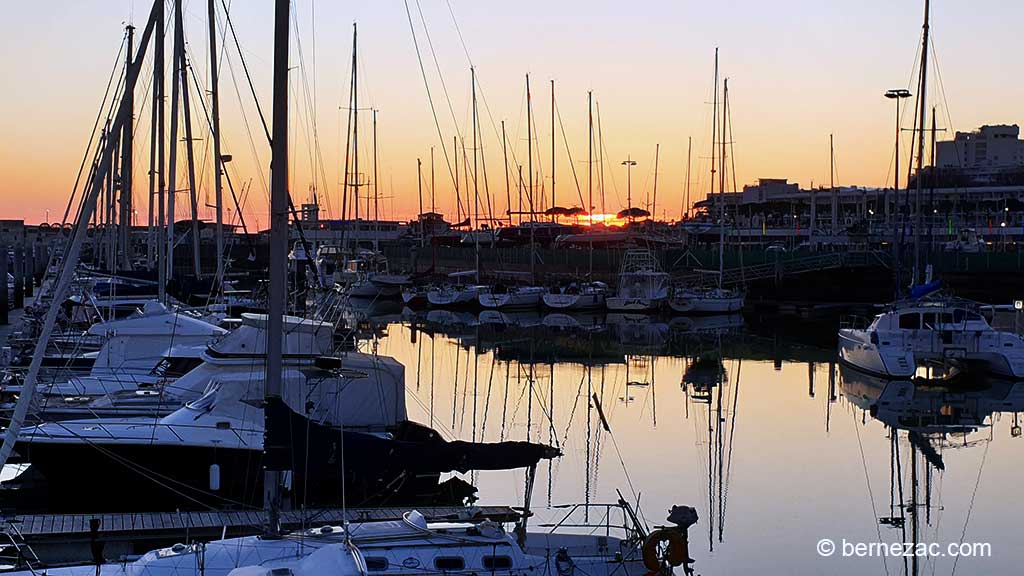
column 426, row 84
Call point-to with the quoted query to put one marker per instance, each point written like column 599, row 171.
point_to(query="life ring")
column 677, row 552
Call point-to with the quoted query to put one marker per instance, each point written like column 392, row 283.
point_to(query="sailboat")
column 716, row 300
column 364, row 273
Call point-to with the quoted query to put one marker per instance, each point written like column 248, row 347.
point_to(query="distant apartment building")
column 984, row 153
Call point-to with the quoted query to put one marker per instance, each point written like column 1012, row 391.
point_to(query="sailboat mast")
column 590, row 155
column 832, row 183
column 159, row 107
column 714, row 131
column 376, row 192
column 277, row 290
column 553, row 216
column 529, row 148
column 654, row 203
column 433, row 206
column 476, row 187
column 529, row 153
column 189, row 151
column 508, row 187
column 172, row 170
column 600, row 157
column 689, row 150
column 355, row 132
column 127, row 146
column 345, row 182
column 922, row 103
column 419, row 190
column 217, row 158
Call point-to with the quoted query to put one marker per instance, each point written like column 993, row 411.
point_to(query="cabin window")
column 497, row 562
column 946, row 318
column 446, row 563
column 910, row 321
column 376, row 563
column 928, row 319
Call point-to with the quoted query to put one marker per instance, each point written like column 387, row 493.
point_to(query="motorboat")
column 706, row 301
column 505, row 297
column 643, row 286
column 585, row 296
column 938, row 331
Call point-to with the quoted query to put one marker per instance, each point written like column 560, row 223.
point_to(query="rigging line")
column 568, row 152
column 970, row 507
column 92, row 133
column 316, row 158
column 867, row 482
column 430, row 98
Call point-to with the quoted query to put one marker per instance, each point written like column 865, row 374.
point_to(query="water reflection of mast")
column 705, row 382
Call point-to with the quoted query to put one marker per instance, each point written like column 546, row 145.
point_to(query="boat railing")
column 854, row 322
column 606, row 518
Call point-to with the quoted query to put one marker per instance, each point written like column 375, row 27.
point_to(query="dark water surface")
column 781, row 450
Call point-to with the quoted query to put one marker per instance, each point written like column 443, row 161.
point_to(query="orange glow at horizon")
column 785, row 100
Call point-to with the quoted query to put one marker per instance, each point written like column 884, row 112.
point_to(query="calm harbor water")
column 781, row 450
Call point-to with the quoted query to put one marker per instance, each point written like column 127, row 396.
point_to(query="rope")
column 970, row 507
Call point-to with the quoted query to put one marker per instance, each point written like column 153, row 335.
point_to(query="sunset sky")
column 798, row 71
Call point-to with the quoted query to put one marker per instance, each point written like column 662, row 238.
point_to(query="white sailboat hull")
column 621, row 304
column 706, row 303
column 451, row 296
column 586, row 301
column 528, row 297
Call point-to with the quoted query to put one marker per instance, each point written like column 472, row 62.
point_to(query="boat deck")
column 159, row 524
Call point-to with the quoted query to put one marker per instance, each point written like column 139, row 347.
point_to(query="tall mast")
column 721, row 185
column 433, row 206
column 654, row 204
column 346, row 180
column 714, row 131
column 189, row 153
column 355, row 132
column 508, row 188
column 920, row 141
column 159, row 106
column 689, row 150
column 553, row 216
column 832, row 183
column 600, row 156
column 590, row 155
column 529, row 153
column 172, row 169
column 376, row 192
column 476, row 187
column 458, row 198
column 127, row 132
column 278, row 289
column 217, row 158
column 419, row 189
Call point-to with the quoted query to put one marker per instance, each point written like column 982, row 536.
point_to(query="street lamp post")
column 629, row 163
column 896, row 95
